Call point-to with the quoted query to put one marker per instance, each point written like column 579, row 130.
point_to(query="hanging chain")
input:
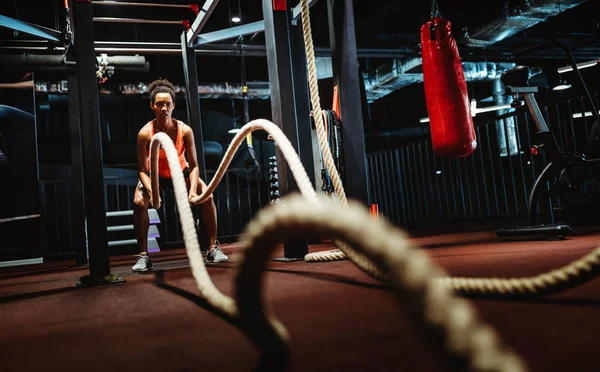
column 435, row 9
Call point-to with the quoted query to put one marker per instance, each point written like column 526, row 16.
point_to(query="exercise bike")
column 571, row 176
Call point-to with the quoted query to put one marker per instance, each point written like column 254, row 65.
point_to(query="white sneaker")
column 215, row 254
column 143, row 263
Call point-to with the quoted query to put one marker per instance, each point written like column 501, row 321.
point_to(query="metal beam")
column 283, row 105
column 78, row 240
column 302, row 101
column 297, row 11
column 135, row 20
column 93, row 167
column 193, row 7
column 200, row 21
column 342, row 37
column 193, row 102
column 231, row 32
column 28, row 59
column 31, row 29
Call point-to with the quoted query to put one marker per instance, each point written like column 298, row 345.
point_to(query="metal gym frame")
column 288, row 81
column 290, row 108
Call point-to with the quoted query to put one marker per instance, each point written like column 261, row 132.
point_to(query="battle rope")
column 297, row 169
column 452, row 322
column 546, row 283
column 378, row 248
column 315, row 100
column 568, row 276
column 560, row 279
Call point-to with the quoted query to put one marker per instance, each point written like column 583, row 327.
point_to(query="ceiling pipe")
column 398, row 74
column 255, row 90
column 65, row 69
column 27, row 59
column 520, row 16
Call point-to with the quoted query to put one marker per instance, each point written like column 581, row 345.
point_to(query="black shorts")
column 168, row 182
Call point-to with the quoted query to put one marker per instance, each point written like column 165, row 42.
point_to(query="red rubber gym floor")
column 339, row 318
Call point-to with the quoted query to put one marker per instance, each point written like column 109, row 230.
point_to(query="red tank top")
column 163, row 164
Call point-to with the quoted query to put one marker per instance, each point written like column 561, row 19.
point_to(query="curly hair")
column 161, row 86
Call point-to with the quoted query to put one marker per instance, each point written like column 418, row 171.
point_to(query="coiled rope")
column 467, row 342
column 554, row 281
column 383, row 251
column 566, row 277
column 315, row 100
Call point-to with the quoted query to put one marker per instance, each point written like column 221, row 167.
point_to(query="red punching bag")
column 446, row 95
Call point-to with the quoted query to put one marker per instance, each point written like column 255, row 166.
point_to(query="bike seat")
column 518, row 76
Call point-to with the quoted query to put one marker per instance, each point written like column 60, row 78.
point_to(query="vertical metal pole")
column 426, row 185
column 283, row 104
column 483, row 171
column 193, row 102
column 431, row 180
column 302, row 100
column 92, row 147
column 77, row 224
column 400, row 178
column 346, row 77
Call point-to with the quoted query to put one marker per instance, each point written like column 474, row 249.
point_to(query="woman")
column 162, row 102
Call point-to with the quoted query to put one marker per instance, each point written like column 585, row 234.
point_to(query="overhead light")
column 236, row 19
column 579, row 66
column 562, row 86
column 579, row 115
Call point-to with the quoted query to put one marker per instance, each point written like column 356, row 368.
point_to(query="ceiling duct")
column 518, row 17
column 398, row 74
column 256, row 90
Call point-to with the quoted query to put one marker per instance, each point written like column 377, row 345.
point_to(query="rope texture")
column 547, row 283
column 378, row 248
column 338, row 188
column 568, row 276
column 466, row 341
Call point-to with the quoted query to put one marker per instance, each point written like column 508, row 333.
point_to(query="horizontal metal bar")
column 19, row 218
column 139, row 50
column 122, row 242
column 31, row 29
column 135, row 20
column 231, row 32
column 151, row 212
column 32, row 59
column 152, row 243
column 120, row 228
column 152, row 229
column 28, row 261
column 138, row 43
column 210, row 52
column 209, row 49
column 200, row 21
column 297, row 11
column 189, row 6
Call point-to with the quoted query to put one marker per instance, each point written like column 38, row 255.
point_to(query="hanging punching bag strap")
column 435, row 12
